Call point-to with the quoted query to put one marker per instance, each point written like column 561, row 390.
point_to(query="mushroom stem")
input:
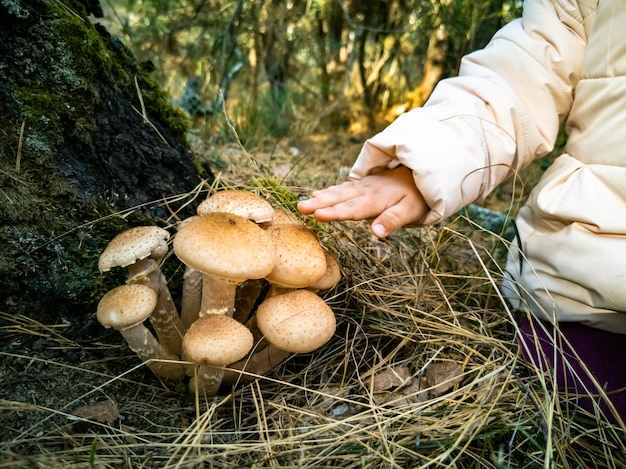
column 248, row 294
column 192, row 296
column 258, row 364
column 148, row 349
column 206, row 380
column 164, row 319
column 218, row 295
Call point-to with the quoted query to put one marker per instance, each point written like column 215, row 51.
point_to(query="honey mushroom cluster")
column 238, row 251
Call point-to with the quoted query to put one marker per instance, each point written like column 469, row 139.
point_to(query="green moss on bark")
column 74, row 149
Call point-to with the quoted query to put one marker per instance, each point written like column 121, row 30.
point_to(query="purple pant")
column 603, row 353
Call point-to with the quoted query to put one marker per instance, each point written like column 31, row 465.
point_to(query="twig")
column 18, row 159
column 143, row 112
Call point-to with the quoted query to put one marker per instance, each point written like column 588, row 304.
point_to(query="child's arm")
column 501, row 112
column 389, row 198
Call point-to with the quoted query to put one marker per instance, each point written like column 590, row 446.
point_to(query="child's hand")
column 390, row 198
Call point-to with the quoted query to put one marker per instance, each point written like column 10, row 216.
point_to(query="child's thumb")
column 386, row 223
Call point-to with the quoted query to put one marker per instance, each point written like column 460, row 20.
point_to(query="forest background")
column 289, row 68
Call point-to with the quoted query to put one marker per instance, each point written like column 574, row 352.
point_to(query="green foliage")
column 258, row 59
column 275, row 190
column 278, row 192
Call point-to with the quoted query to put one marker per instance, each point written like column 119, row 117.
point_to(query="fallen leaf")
column 413, row 393
column 442, row 376
column 395, row 386
column 103, row 411
column 390, row 378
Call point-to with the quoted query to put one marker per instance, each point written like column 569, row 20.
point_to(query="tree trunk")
column 85, row 133
column 435, row 63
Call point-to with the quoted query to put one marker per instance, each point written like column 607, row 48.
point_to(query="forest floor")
column 422, row 371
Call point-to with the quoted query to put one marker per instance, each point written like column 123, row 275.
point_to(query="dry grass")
column 423, row 297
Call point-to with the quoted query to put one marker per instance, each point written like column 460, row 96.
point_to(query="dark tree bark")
column 85, row 133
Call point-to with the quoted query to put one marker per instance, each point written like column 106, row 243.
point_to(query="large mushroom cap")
column 126, row 306
column 216, row 340
column 298, row 321
column 133, row 244
column 243, row 203
column 300, row 261
column 225, row 245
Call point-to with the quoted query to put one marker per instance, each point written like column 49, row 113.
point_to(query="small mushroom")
column 125, row 308
column 298, row 321
column 141, row 249
column 212, row 342
column 227, row 249
column 246, row 204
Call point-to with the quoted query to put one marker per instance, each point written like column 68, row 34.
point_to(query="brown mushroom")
column 140, row 250
column 300, row 259
column 212, row 342
column 284, row 217
column 125, row 308
column 246, row 204
column 298, row 321
column 227, row 249
column 331, row 277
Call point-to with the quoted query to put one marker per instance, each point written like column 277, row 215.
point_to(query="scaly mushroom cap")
column 225, row 245
column 331, row 277
column 283, row 217
column 298, row 321
column 216, row 340
column 243, row 203
column 134, row 244
column 300, row 259
column 126, row 306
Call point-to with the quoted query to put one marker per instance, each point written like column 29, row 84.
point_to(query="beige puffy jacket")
column 563, row 59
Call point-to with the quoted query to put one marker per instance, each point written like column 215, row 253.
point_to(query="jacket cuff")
column 446, row 154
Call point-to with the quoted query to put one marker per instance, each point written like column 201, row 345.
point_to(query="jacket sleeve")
column 501, row 112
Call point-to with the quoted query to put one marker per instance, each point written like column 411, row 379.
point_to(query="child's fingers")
column 329, row 197
column 358, row 208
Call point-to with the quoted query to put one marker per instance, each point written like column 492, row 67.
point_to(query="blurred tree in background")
column 285, row 67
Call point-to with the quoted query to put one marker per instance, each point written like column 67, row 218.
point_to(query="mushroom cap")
column 216, row 340
column 332, row 275
column 134, row 244
column 300, row 259
column 284, row 217
column 126, row 306
column 225, row 245
column 298, row 321
column 243, row 203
